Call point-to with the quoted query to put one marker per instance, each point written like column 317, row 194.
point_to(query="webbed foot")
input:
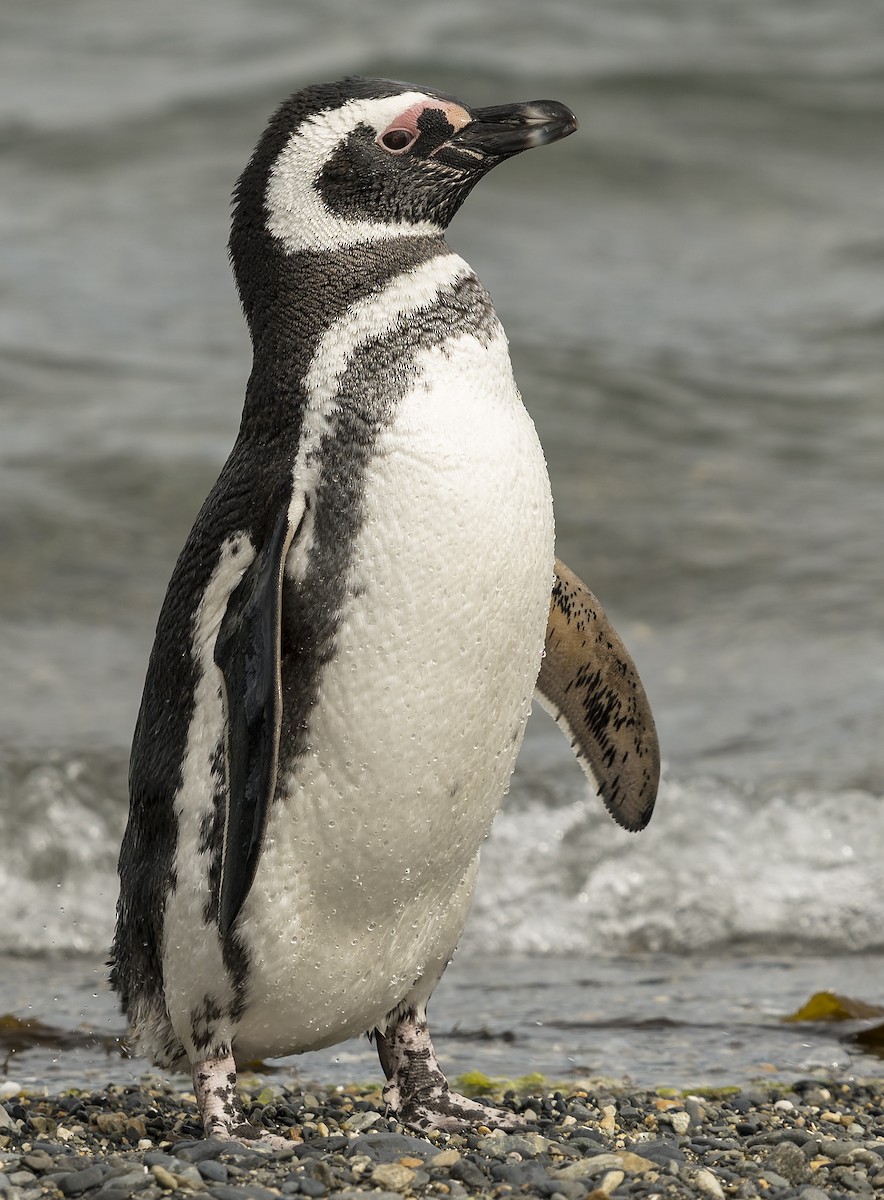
column 417, row 1090
column 223, row 1117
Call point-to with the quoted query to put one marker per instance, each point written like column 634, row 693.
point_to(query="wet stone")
column 529, row 1145
column 836, row 1147
column 359, row 1195
column 520, row 1174
column 747, row 1128
column 570, row 1155
column 254, row 1191
column 195, row 1151
column 773, row 1180
column 22, row 1179
column 798, row 1136
column 467, row 1172
column 850, row 1180
column 388, row 1147
column 787, row 1161
column 587, row 1140
column 361, row 1121
column 158, row 1158
column 695, row 1110
column 211, row 1169
column 312, row 1187
column 37, row 1160
column 128, row 1183
column 80, row 1181
column 660, row 1151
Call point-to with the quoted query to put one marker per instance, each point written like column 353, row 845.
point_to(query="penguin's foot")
column 214, row 1084
column 418, row 1092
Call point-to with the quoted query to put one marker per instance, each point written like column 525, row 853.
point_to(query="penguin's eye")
column 398, row 140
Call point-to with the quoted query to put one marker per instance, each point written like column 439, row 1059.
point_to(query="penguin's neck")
column 290, row 300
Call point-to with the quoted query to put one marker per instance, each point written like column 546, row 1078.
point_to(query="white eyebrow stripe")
column 296, row 214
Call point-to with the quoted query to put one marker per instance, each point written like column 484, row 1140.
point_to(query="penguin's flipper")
column 247, row 652
column 589, row 685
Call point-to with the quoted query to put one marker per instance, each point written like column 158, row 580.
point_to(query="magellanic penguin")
column 347, row 652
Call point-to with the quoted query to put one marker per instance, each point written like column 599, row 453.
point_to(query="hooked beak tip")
column 506, row 129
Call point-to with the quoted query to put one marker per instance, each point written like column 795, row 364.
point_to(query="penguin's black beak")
column 502, row 130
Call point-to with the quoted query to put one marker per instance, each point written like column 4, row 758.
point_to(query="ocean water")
column 693, row 287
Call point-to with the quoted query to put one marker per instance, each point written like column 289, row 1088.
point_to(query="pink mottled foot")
column 418, row 1092
column 214, row 1083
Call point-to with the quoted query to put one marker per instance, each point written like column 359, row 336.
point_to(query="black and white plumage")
column 346, row 656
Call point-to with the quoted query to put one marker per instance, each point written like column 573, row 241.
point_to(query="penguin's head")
column 363, row 160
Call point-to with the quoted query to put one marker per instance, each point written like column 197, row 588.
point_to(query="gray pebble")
column 521, row 1174
column 695, row 1110
column 467, row 1172
column 868, row 1158
column 357, row 1195
column 850, row 1180
column 661, row 1150
column 212, row 1170
column 787, row 1160
column 586, row 1139
column 80, row 1181
column 38, row 1160
column 196, row 1152
column 245, row 1158
column 249, row 1191
column 740, row 1143
column 529, row 1145
column 570, row 1189
column 190, row 1175
column 361, row 1121
column 775, row 1180
column 388, row 1147
column 21, row 1179
column 312, row 1187
column 157, row 1158
column 130, row 1181
column 835, row 1147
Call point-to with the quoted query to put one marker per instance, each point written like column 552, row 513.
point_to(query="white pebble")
column 706, row 1182
column 9, row 1088
column 784, row 1105
column 680, row 1121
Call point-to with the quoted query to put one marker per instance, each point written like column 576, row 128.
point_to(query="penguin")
column 348, row 649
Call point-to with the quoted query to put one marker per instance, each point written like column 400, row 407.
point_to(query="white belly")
column 367, row 871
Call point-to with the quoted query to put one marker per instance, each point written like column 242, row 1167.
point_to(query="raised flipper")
column 247, row 652
column 589, row 684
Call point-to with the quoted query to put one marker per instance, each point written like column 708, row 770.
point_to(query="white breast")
column 366, row 875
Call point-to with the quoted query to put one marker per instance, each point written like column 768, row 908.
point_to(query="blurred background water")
column 693, row 287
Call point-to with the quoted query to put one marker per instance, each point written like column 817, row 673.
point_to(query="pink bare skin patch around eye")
column 455, row 115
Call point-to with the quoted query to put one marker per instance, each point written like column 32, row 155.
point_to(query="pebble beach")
column 814, row 1140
